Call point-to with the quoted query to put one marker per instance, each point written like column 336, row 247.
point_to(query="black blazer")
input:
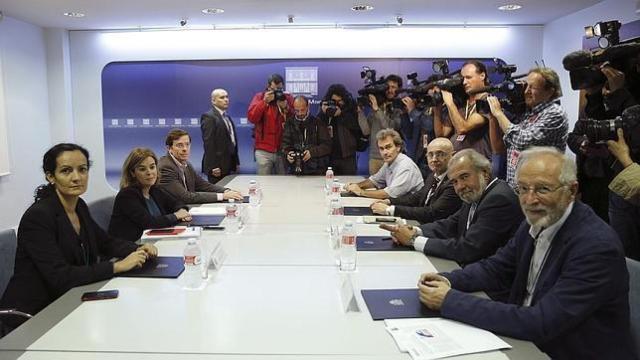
column 494, row 222
column 130, row 214
column 219, row 150
column 50, row 258
column 442, row 203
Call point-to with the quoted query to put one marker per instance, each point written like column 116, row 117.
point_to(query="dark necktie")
column 432, row 190
column 227, row 122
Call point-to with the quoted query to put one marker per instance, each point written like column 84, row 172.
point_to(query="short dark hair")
column 174, row 135
column 395, row 78
column 481, row 68
column 275, row 78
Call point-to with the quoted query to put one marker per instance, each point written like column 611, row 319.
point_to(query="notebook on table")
column 176, row 232
column 379, row 243
column 158, row 267
column 396, row 304
column 206, row 220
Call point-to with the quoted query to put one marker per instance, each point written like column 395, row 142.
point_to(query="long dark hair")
column 49, row 162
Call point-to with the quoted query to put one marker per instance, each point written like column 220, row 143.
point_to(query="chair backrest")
column 101, row 210
column 8, row 244
column 634, row 300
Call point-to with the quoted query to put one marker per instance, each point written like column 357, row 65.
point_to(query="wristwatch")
column 412, row 239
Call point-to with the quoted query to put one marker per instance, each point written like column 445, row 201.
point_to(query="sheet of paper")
column 436, row 338
column 201, row 210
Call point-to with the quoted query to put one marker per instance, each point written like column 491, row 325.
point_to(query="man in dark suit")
column 436, row 200
column 487, row 219
column 179, row 178
column 564, row 268
column 219, row 139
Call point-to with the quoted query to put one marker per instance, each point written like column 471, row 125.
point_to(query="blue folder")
column 158, row 267
column 357, row 211
column 206, row 220
column 396, row 304
column 378, row 243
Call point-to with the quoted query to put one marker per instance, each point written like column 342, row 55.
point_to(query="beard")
column 472, row 196
column 553, row 214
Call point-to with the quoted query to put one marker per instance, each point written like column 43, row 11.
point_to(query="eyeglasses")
column 182, row 145
column 538, row 190
column 436, row 155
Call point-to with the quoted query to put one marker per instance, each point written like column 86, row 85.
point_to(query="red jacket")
column 268, row 121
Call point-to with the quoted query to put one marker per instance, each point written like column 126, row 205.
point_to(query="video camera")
column 511, row 89
column 442, row 79
column 372, row 86
column 584, row 66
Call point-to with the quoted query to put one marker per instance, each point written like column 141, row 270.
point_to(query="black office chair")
column 8, row 244
column 101, row 210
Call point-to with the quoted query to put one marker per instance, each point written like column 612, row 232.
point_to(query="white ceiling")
column 127, row 14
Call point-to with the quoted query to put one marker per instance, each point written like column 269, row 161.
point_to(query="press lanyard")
column 467, row 111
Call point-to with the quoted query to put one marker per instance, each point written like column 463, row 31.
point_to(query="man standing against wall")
column 268, row 111
column 219, row 138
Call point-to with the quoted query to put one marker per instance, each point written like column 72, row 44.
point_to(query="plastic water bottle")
column 254, row 197
column 335, row 189
column 348, row 251
column 259, row 192
column 328, row 179
column 232, row 223
column 336, row 221
column 192, row 273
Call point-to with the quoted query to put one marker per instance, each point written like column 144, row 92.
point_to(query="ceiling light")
column 74, row 14
column 510, row 7
column 212, row 11
column 362, row 8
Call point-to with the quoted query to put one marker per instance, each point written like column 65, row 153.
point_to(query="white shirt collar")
column 551, row 231
column 181, row 165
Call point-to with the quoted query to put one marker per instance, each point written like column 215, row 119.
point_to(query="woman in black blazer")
column 140, row 204
column 59, row 245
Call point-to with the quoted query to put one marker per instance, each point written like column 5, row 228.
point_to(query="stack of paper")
column 436, row 338
column 207, row 210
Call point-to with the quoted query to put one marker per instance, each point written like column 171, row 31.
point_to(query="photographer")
column 624, row 198
column 544, row 124
column 268, row 110
column 382, row 116
column 469, row 129
column 418, row 129
column 338, row 112
column 596, row 166
column 305, row 141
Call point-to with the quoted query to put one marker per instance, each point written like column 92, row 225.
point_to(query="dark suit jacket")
column 580, row 306
column 130, row 214
column 198, row 190
column 50, row 258
column 496, row 218
column 219, row 150
column 443, row 202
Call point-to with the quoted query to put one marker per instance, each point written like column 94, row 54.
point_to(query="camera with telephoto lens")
column 599, row 131
column 332, row 108
column 298, row 159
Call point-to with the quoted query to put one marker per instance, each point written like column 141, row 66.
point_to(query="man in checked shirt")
column 544, row 124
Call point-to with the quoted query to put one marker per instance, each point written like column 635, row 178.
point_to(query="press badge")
column 513, row 160
column 460, row 138
column 330, row 129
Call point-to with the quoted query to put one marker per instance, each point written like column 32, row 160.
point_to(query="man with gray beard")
column 564, row 270
column 487, row 219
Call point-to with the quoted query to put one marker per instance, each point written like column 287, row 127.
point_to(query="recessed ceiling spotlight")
column 212, row 11
column 363, row 7
column 73, row 14
column 510, row 7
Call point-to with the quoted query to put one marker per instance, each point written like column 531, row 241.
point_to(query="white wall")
column 564, row 35
column 59, row 85
column 24, row 69
column 91, row 51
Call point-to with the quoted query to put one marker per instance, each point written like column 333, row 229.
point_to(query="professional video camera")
column 372, row 86
column 584, row 66
column 599, row 131
column 512, row 90
column 442, row 79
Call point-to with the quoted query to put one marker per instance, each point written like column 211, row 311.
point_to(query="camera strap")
column 467, row 111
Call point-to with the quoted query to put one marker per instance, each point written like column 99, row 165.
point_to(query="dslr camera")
column 599, row 131
column 279, row 95
column 298, row 162
column 332, row 108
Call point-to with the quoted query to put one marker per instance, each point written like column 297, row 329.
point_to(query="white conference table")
column 277, row 296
